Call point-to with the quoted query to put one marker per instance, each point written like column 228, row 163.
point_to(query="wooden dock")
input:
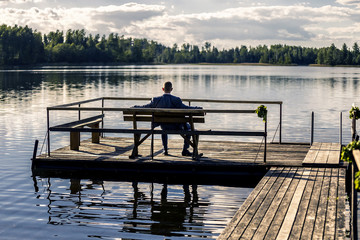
column 299, row 192
column 226, row 159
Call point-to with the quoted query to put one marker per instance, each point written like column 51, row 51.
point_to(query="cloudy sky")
column 225, row 23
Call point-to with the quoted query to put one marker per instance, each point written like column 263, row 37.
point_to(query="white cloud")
column 298, row 24
column 99, row 20
column 348, row 2
column 4, row 2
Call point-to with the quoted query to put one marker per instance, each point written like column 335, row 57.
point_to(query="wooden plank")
column 313, row 206
column 335, row 151
column 313, row 152
column 265, row 205
column 285, row 229
column 82, row 122
column 323, row 154
column 322, row 207
column 304, row 204
column 164, row 119
column 284, row 206
column 248, row 202
column 330, row 221
column 340, row 207
column 274, row 207
column 255, row 203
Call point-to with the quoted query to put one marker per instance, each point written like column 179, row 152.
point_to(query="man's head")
column 167, row 88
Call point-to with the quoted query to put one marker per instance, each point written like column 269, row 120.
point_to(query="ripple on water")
column 84, row 208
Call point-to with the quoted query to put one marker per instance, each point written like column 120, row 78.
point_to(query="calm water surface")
column 76, row 209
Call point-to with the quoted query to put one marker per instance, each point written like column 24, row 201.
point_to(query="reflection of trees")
column 83, row 204
column 19, row 81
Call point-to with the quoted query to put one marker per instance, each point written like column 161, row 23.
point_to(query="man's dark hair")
column 167, row 86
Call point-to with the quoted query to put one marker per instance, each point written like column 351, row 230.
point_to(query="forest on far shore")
column 23, row 46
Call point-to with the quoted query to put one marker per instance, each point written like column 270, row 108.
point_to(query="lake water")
column 76, row 209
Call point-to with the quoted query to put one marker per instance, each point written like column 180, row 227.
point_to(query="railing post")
column 353, row 129
column 280, row 123
column 353, row 197
column 340, row 129
column 312, row 128
column 48, row 131
column 265, row 138
column 79, row 113
column 102, row 112
column 353, row 203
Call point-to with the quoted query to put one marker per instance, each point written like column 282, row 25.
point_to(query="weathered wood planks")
column 293, row 203
column 323, row 154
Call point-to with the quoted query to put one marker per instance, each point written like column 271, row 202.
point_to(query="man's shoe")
column 165, row 153
column 186, row 153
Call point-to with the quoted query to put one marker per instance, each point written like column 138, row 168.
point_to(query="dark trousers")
column 169, row 126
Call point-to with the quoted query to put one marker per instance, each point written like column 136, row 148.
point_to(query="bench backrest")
column 139, row 115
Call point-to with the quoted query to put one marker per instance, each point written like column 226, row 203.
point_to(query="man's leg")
column 164, row 138
column 185, row 151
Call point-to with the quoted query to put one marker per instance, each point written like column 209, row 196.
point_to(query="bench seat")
column 92, row 122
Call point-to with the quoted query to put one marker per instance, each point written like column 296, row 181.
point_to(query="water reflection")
column 137, row 207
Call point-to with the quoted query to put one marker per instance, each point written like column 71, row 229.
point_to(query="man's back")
column 166, row 101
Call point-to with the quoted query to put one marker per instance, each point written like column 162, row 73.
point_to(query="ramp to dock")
column 296, row 202
column 293, row 203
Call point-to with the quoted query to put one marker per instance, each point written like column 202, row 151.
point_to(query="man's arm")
column 152, row 104
column 180, row 104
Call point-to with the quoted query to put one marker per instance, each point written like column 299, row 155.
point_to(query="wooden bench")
column 92, row 122
column 323, row 154
column 159, row 116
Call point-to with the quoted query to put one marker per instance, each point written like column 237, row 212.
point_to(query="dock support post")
column 312, row 128
column 34, row 153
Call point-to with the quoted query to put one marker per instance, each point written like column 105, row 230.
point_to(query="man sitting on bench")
column 170, row 101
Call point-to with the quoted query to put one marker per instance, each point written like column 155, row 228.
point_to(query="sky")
column 223, row 23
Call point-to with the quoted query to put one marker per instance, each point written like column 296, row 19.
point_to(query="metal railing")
column 77, row 106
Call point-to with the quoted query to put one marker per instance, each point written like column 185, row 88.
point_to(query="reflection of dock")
column 111, row 157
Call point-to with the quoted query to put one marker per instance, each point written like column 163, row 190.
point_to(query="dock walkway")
column 296, row 202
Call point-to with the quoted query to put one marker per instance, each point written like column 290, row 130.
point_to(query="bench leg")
column 74, row 140
column 135, row 151
column 95, row 136
column 196, row 155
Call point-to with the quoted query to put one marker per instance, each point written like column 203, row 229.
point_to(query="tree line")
column 21, row 45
